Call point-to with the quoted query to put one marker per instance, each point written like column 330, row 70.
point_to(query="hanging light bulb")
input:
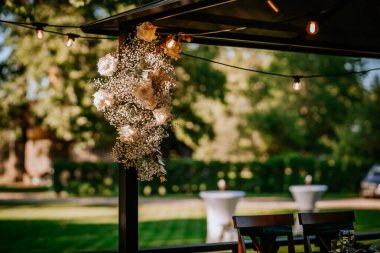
column 40, row 33
column 273, row 6
column 70, row 39
column 40, row 30
column 312, row 27
column 171, row 42
column 297, row 83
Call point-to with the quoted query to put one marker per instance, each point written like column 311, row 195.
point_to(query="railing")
column 229, row 246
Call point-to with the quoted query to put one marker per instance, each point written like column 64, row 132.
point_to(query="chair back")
column 325, row 226
column 263, row 231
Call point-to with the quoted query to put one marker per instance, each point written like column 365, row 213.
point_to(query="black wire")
column 236, row 67
column 65, row 26
column 342, row 73
column 283, row 75
column 35, row 23
column 33, row 26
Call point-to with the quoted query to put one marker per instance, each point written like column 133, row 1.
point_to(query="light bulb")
column 162, row 115
column 297, row 83
column 273, row 6
column 171, row 43
column 40, row 33
column 70, row 40
column 312, row 27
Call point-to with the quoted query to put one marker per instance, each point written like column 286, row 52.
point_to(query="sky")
column 371, row 63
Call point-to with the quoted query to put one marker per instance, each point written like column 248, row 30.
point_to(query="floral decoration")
column 134, row 95
column 102, row 100
column 107, row 65
column 174, row 52
column 146, row 31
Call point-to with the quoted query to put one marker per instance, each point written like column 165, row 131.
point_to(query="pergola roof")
column 346, row 27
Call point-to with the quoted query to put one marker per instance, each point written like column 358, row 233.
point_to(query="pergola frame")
column 186, row 11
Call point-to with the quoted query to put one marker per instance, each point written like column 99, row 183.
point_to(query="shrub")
column 189, row 176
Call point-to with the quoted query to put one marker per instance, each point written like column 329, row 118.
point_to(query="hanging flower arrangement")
column 135, row 95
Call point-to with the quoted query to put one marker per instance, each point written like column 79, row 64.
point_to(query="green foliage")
column 45, row 84
column 308, row 120
column 188, row 176
column 85, row 179
column 364, row 136
column 197, row 79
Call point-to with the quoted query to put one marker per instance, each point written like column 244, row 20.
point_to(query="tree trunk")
column 22, row 173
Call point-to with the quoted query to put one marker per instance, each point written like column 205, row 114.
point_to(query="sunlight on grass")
column 68, row 228
column 78, row 214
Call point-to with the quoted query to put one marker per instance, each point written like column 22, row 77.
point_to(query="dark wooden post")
column 128, row 210
column 128, row 196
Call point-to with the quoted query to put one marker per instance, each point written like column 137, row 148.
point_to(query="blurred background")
column 58, row 183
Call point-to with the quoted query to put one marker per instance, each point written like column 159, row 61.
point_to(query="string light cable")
column 296, row 78
column 35, row 23
column 39, row 28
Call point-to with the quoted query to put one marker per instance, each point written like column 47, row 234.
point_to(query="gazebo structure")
column 346, row 27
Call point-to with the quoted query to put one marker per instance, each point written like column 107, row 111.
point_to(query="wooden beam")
column 128, row 210
column 236, row 22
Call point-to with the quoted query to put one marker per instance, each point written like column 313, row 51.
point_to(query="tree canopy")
column 46, row 85
column 310, row 120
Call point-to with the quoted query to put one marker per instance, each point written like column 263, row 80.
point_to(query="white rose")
column 107, row 65
column 127, row 133
column 102, row 99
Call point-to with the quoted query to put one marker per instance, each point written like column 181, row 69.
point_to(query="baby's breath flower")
column 135, row 100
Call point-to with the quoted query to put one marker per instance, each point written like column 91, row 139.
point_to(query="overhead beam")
column 155, row 11
column 238, row 22
column 302, row 48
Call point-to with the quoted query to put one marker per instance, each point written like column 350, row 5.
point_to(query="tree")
column 363, row 137
column 197, row 79
column 308, row 120
column 46, row 85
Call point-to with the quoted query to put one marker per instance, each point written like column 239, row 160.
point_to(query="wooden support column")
column 128, row 195
column 128, row 210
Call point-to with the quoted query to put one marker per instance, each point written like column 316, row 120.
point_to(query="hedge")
column 189, row 176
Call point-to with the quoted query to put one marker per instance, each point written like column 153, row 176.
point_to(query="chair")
column 325, row 226
column 263, row 231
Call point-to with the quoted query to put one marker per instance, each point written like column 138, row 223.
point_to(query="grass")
column 285, row 195
column 54, row 228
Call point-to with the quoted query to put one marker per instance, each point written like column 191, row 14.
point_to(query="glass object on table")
column 347, row 238
column 375, row 247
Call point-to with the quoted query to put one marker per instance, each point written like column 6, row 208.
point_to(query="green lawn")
column 54, row 228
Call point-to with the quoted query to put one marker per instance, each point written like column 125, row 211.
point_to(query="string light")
column 39, row 28
column 297, row 83
column 312, row 27
column 171, row 42
column 40, row 33
column 71, row 38
column 273, row 6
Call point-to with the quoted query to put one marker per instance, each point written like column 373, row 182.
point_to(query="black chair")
column 325, row 227
column 263, row 231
